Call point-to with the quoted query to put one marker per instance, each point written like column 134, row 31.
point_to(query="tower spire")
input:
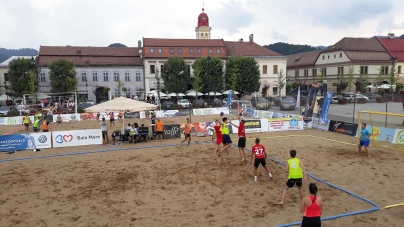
column 203, row 6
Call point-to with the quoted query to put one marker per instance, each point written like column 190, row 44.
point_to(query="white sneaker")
column 270, row 175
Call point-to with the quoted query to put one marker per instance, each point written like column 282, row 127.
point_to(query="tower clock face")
column 203, row 18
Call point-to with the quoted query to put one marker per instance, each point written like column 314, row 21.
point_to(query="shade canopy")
column 3, row 97
column 174, row 95
column 212, row 93
column 193, row 93
column 121, row 105
column 228, row 91
column 155, row 93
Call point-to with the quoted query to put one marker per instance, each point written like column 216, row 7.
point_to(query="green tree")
column 120, row 85
column 62, row 76
column 392, row 77
column 342, row 83
column 380, row 76
column 351, row 77
column 208, row 72
column 175, row 75
column 23, row 76
column 320, row 75
column 158, row 85
column 242, row 74
column 281, row 82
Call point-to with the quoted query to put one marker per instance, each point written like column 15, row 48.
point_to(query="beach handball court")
column 161, row 184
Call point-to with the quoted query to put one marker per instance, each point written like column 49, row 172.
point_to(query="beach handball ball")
column 221, row 113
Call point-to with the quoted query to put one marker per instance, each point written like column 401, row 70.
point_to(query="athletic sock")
column 270, row 175
column 255, row 178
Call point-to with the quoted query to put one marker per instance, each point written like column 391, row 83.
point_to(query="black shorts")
column 187, row 135
column 104, row 134
column 26, row 125
column 112, row 119
column 159, row 132
column 241, row 142
column 36, row 129
column 292, row 182
column 311, row 222
column 119, row 117
column 45, row 130
column 259, row 161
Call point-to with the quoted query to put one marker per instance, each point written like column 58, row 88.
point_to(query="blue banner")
column 17, row 142
column 229, row 96
column 325, row 107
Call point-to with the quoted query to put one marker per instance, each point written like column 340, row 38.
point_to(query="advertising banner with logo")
column 343, row 128
column 251, row 126
column 325, row 107
column 131, row 115
column 16, row 142
column 381, row 133
column 172, row 131
column 399, row 136
column 285, row 124
column 67, row 117
column 261, row 114
column 204, row 111
column 13, row 120
column 170, row 113
column 42, row 140
column 319, row 125
column 76, row 138
column 250, row 112
column 185, row 112
column 158, row 113
column 201, row 129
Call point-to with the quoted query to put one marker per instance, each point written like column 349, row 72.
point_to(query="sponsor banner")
column 399, row 136
column 307, row 125
column 67, row 117
column 204, row 111
column 380, row 133
column 318, row 124
column 325, row 107
column 201, row 129
column 42, row 140
column 13, row 120
column 170, row 113
column 158, row 113
column 172, row 131
column 86, row 116
column 131, row 115
column 76, row 138
column 251, row 126
column 184, row 112
column 250, row 112
column 285, row 124
column 17, row 142
column 343, row 128
column 261, row 114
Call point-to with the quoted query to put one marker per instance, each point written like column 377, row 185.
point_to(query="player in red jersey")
column 219, row 136
column 241, row 138
column 258, row 151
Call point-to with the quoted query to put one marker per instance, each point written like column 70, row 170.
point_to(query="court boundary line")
column 376, row 206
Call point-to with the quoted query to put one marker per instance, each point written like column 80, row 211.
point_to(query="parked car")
column 288, row 104
column 260, row 103
column 197, row 103
column 167, row 105
column 361, row 96
column 85, row 105
column 90, row 102
column 183, row 102
column 372, row 97
column 4, row 110
column 335, row 98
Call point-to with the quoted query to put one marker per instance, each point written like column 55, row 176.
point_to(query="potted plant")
column 361, row 100
column 343, row 101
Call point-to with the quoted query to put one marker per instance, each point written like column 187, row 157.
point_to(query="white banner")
column 13, row 120
column 67, row 117
column 261, row 114
column 285, row 124
column 316, row 124
column 76, row 138
column 42, row 139
column 252, row 126
column 211, row 111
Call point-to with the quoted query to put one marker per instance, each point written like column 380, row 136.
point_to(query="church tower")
column 203, row 29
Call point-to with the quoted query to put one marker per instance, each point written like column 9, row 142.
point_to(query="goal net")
column 387, row 129
column 40, row 102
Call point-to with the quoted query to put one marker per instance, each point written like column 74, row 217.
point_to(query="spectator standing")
column 159, row 128
column 104, row 129
column 45, row 125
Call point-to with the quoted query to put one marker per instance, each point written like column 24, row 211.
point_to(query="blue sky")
column 31, row 23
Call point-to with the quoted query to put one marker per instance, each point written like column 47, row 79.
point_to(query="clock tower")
column 203, row 29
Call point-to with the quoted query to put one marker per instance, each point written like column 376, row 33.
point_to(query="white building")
column 4, row 70
column 96, row 68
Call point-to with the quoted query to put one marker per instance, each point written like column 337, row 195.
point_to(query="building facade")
column 203, row 29
column 395, row 47
column 97, row 68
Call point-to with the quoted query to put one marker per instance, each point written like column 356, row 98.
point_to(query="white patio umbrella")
column 174, row 95
column 228, row 91
column 194, row 93
column 121, row 105
column 212, row 93
column 371, row 86
column 4, row 97
column 155, row 93
column 387, row 86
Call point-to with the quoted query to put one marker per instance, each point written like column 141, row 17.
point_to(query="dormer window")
column 191, row 50
column 159, row 50
column 180, row 50
column 171, row 50
column 152, row 50
column 199, row 51
column 210, row 51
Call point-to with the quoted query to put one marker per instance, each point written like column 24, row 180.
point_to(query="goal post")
column 33, row 99
column 383, row 127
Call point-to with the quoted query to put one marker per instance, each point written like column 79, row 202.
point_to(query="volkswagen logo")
column 42, row 139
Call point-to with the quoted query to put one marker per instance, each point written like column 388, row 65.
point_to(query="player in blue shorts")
column 364, row 140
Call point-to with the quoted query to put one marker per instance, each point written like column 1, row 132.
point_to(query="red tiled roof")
column 166, row 45
column 90, row 56
column 357, row 44
column 394, row 46
column 305, row 59
column 248, row 49
column 365, row 56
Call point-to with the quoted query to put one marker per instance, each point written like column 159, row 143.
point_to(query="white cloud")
column 31, row 23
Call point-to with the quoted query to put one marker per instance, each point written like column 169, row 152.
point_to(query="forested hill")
column 287, row 49
column 7, row 53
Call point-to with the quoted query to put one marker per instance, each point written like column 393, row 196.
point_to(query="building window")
column 42, row 77
column 191, row 50
column 127, row 93
column 340, row 55
column 152, row 69
column 324, row 71
column 335, row 56
column 275, row 69
column 5, row 77
column 83, row 76
column 340, row 70
column 138, row 78
column 385, row 69
column 210, row 51
column 314, row 72
column 306, row 72
column 180, row 50
column 189, row 70
column 399, row 69
column 364, row 70
column 117, row 93
column 171, row 50
column 264, row 69
column 217, row 51
column 199, row 51
column 152, row 50
column 106, row 77
column 127, row 77
column 95, row 77
column 323, row 57
column 116, row 76
column 275, row 91
column 296, row 73
column 328, row 56
column 160, row 50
